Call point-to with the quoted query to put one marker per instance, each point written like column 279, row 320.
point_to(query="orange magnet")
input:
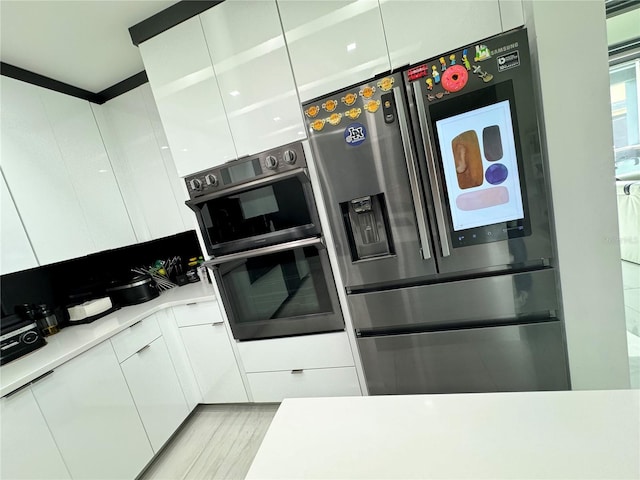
column 386, row 84
column 330, row 105
column 349, row 99
column 318, row 124
column 372, row 106
column 335, row 118
column 312, row 111
column 367, row 92
column 353, row 113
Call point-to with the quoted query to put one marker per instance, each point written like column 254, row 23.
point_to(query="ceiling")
column 84, row 43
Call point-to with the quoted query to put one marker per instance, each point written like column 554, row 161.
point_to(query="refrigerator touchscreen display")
column 480, row 166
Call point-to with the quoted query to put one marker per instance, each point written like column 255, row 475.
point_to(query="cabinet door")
column 333, row 44
column 27, row 448
column 94, row 182
column 188, row 97
column 38, row 178
column 197, row 313
column 213, row 363
column 15, row 250
column 416, row 31
column 140, row 167
column 511, row 14
column 90, row 412
column 156, row 391
column 254, row 74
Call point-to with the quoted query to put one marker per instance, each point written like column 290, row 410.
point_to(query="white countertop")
column 562, row 435
column 72, row 341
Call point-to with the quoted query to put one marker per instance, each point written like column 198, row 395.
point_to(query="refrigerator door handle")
column 431, row 167
column 413, row 176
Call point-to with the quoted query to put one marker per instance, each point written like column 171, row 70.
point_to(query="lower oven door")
column 278, row 291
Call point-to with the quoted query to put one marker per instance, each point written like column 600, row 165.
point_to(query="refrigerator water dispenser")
column 367, row 227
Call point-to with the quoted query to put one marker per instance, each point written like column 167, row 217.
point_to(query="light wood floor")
column 217, row 441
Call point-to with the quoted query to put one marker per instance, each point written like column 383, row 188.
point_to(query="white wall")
column 569, row 45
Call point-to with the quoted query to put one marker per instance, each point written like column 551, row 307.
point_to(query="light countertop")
column 575, row 434
column 74, row 340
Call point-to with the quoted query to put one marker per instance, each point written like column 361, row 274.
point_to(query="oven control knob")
column 290, row 157
column 271, row 162
column 29, row 337
column 211, row 180
column 196, row 184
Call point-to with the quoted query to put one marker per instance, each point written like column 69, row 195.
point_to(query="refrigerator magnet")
column 355, row 134
column 330, row 105
column 312, row 111
column 353, row 113
column 349, row 99
column 386, row 84
column 335, row 118
column 372, row 106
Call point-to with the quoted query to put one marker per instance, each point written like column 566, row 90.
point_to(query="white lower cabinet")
column 320, row 382
column 156, row 391
column 306, row 366
column 214, row 363
column 27, row 449
column 92, row 417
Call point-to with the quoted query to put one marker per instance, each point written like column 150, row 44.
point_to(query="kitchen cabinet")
column 59, row 175
column 156, row 391
column 209, row 349
column 252, row 68
column 15, row 249
column 304, row 366
column 92, row 417
column 27, row 448
column 416, row 31
column 37, row 176
column 333, row 44
column 151, row 191
column 188, row 97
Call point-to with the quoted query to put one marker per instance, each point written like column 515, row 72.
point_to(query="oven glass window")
column 259, row 211
column 277, row 286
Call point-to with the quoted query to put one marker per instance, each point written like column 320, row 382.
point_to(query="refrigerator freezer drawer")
column 524, row 357
column 502, row 298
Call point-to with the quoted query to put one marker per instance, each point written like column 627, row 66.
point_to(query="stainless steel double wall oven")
column 259, row 222
column 434, row 183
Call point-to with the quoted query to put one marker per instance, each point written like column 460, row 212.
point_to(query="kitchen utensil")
column 139, row 289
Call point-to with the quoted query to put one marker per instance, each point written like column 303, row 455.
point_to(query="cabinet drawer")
column 138, row 335
column 309, row 351
column 201, row 313
column 322, row 382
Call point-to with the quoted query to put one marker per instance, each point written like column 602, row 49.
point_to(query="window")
column 625, row 107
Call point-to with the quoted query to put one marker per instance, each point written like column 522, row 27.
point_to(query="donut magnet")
column 454, row 78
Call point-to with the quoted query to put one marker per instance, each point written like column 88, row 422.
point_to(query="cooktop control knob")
column 211, row 180
column 196, row 184
column 29, row 337
column 271, row 162
column 290, row 157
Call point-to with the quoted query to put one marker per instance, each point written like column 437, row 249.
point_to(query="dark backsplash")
column 52, row 284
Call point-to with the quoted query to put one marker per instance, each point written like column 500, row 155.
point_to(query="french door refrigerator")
column 435, row 189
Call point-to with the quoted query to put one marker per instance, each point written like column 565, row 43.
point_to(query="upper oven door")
column 267, row 211
column 278, row 291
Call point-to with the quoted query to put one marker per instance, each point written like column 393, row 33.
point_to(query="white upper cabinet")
column 512, row 14
column 334, row 44
column 135, row 149
column 418, row 30
column 15, row 250
column 38, row 177
column 188, row 98
column 94, row 182
column 252, row 67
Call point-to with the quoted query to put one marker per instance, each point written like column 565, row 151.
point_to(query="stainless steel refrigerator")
column 435, row 188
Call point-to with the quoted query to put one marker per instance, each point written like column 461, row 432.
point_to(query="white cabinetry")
column 38, row 178
column 93, row 418
column 188, row 98
column 142, row 163
column 306, row 366
column 333, row 44
column 209, row 349
column 27, row 449
column 15, row 250
column 252, row 67
column 416, row 31
column 511, row 13
column 156, row 391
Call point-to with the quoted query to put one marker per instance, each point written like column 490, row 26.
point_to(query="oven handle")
column 431, row 167
column 299, row 172
column 256, row 252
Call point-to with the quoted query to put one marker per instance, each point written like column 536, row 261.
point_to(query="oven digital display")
column 480, row 166
column 241, row 172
